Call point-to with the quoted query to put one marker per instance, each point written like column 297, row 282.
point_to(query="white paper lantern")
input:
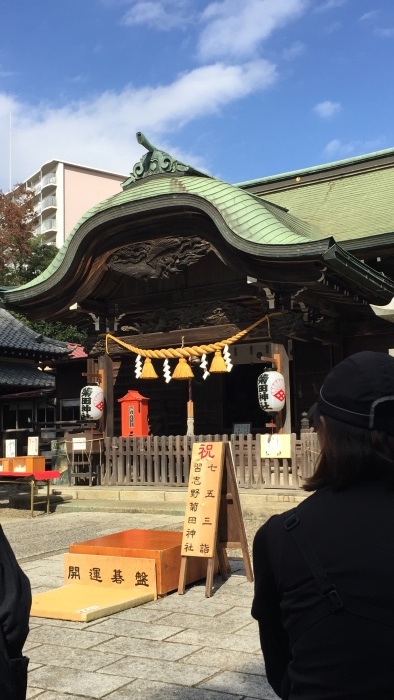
column 271, row 391
column 91, row 402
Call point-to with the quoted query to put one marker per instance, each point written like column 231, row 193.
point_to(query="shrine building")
column 177, row 259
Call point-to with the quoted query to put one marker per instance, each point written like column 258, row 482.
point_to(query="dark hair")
column 350, row 454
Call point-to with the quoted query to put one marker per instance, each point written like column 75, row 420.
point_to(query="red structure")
column 134, row 415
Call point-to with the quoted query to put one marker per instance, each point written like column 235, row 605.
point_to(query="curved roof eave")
column 245, row 221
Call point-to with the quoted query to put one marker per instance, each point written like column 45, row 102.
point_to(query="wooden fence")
column 165, row 460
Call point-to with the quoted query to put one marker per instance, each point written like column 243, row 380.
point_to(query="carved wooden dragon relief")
column 158, row 259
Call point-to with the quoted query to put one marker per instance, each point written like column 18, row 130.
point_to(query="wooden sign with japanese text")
column 275, row 446
column 33, row 445
column 110, row 572
column 213, row 515
column 203, row 499
column 10, row 448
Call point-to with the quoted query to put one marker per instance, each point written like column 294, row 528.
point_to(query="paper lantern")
column 271, row 391
column 91, row 402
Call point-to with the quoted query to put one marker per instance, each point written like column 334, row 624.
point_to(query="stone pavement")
column 179, row 647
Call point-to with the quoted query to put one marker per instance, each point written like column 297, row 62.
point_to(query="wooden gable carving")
column 159, row 258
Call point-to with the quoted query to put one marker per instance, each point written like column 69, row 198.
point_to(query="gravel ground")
column 7, row 513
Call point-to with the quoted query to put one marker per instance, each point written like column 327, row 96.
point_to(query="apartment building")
column 64, row 192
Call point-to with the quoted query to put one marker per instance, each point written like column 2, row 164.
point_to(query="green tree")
column 53, row 329
column 23, row 255
column 40, row 256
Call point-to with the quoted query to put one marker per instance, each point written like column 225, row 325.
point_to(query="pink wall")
column 84, row 189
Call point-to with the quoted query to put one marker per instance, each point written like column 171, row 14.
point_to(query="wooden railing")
column 165, row 460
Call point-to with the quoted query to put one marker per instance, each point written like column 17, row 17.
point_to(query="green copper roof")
column 247, row 216
column 318, row 168
column 346, row 208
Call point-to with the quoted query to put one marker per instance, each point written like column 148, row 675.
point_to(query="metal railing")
column 49, row 179
column 48, row 225
column 48, row 202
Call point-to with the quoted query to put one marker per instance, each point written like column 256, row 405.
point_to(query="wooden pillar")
column 106, row 365
column 285, row 415
column 91, row 371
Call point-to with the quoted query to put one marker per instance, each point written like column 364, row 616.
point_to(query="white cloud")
column 234, row 28
column 95, row 132
column 333, row 27
column 231, row 27
column 330, row 5
column 77, row 79
column 336, row 148
column 158, row 14
column 327, row 109
column 386, row 33
column 7, row 73
column 368, row 15
column 295, row 50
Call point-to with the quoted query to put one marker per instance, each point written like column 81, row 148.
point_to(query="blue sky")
column 239, row 88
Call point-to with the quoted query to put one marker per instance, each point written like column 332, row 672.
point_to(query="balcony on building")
column 48, row 181
column 48, row 203
column 35, row 187
column 48, row 225
column 48, row 230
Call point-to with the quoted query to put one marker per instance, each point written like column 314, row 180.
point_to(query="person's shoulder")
column 273, row 525
column 276, row 523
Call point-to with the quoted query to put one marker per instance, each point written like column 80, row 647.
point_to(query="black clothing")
column 15, row 602
column 311, row 651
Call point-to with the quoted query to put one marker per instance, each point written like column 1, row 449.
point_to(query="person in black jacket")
column 15, row 603
column 324, row 572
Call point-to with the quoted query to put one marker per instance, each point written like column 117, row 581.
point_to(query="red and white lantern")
column 91, row 402
column 271, row 391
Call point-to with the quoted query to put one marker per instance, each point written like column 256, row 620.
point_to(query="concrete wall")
column 84, row 189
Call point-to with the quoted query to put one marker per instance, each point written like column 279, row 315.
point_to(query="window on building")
column 69, row 409
column 17, row 415
column 9, row 415
column 45, row 412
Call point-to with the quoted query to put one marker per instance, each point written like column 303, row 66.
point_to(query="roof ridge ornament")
column 156, row 162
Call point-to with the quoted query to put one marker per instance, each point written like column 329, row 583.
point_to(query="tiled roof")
column 324, row 167
column 21, row 375
column 317, row 218
column 347, row 208
column 347, row 199
column 19, row 340
column 76, row 352
column 247, row 216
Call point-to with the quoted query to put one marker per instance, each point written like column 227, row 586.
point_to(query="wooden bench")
column 32, row 477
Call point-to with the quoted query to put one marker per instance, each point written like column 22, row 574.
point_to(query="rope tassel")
column 182, row 370
column 218, row 364
column 148, row 370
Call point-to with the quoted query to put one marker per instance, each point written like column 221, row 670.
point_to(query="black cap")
column 360, row 391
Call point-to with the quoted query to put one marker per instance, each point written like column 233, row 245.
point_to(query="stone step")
column 66, row 504
column 82, row 505
column 149, row 500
